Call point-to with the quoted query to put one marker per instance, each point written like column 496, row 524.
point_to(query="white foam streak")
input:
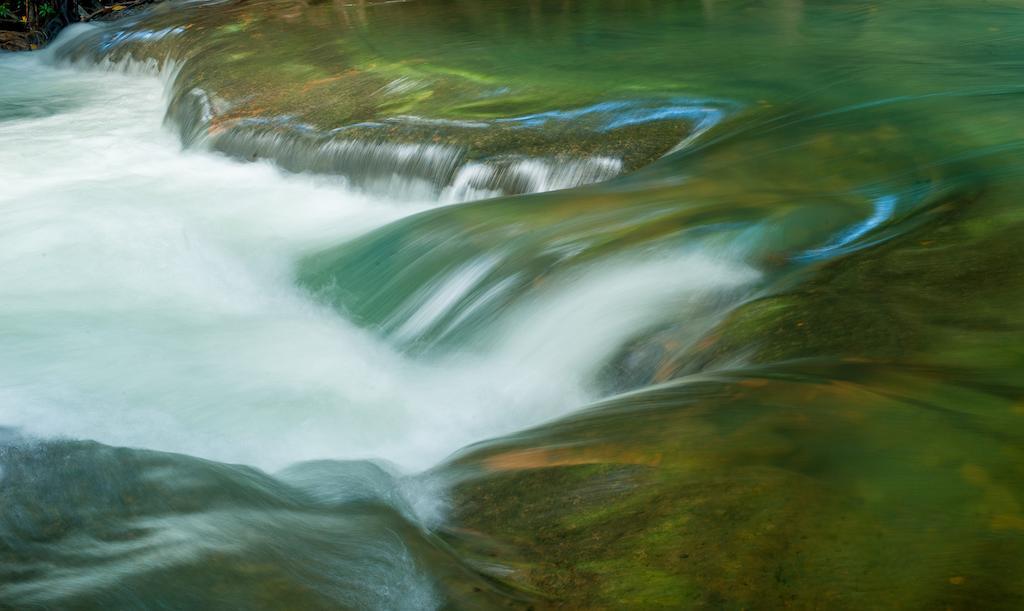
column 481, row 180
column 577, row 325
column 445, row 298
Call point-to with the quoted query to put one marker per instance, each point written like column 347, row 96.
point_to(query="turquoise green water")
column 586, row 304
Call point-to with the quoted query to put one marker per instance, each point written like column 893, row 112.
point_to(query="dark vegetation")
column 29, row 24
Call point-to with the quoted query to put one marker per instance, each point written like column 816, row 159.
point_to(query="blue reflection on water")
column 117, row 38
column 624, row 113
column 884, row 208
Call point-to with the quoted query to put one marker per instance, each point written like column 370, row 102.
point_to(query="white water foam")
column 147, row 300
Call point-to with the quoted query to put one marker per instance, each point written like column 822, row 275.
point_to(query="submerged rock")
column 774, row 488
column 87, row 526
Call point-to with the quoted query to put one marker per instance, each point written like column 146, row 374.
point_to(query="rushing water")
column 151, row 289
column 733, row 288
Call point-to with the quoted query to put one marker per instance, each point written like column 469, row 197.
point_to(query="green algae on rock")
column 802, row 487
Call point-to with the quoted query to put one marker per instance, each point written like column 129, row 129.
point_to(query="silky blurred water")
column 280, row 259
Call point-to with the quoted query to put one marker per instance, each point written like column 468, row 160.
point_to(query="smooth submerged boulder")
column 837, row 486
column 86, row 526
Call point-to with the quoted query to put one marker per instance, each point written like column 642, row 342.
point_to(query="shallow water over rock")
column 445, row 304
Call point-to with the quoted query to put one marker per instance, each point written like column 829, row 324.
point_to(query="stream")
column 450, row 304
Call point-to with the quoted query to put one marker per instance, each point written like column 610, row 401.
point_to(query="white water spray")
column 147, row 300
